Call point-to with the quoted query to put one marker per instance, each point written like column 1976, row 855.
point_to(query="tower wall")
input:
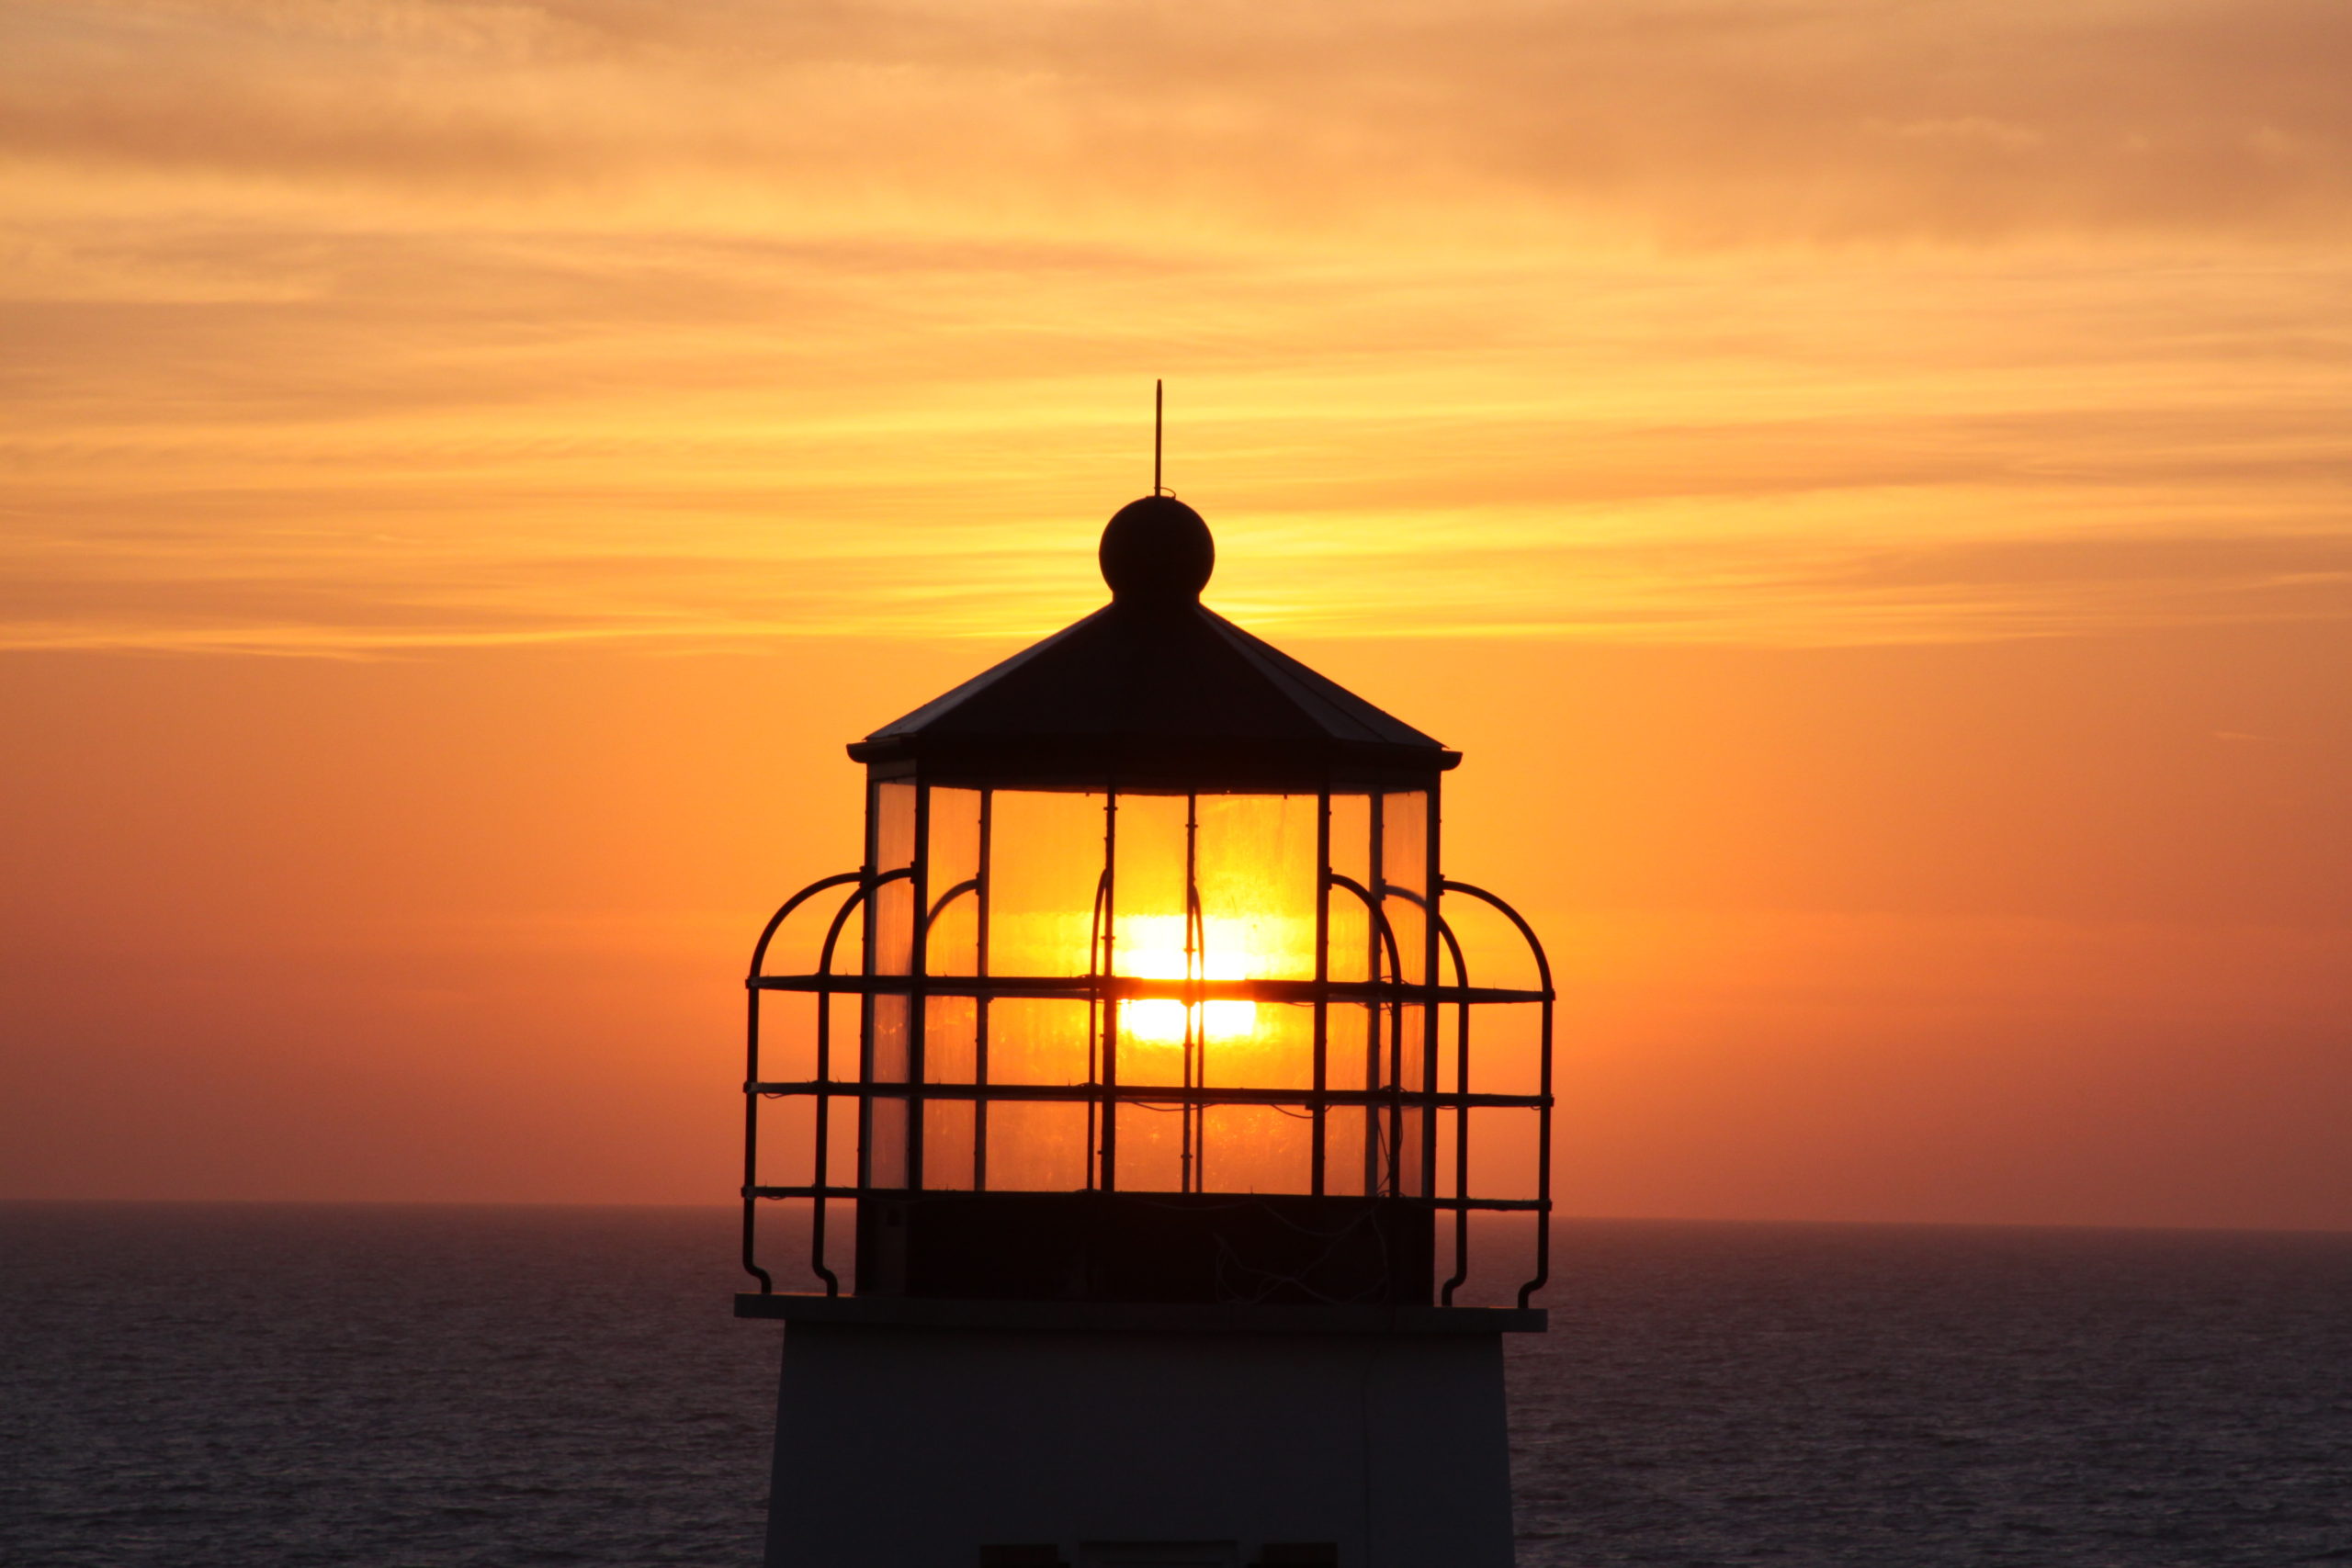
column 917, row 1447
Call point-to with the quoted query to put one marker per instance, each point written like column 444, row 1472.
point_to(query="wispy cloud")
column 382, row 324
column 1715, row 120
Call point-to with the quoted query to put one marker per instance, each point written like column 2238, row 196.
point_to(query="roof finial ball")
column 1156, row 550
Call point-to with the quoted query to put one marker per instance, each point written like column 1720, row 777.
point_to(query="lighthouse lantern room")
column 1126, row 1115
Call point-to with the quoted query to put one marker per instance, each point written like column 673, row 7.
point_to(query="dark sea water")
column 199, row 1387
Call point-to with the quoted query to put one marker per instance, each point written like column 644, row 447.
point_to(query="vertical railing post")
column 1378, row 1172
column 751, row 1129
column 1320, row 1113
column 868, row 927
column 1432, row 883
column 1108, row 1084
column 918, row 998
column 980, row 1002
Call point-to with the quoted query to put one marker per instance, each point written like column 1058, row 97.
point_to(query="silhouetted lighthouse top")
column 1158, row 690
column 1140, row 1050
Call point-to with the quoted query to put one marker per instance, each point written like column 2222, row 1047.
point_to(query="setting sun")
column 1153, row 947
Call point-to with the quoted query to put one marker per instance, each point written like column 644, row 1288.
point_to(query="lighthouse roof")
column 1156, row 690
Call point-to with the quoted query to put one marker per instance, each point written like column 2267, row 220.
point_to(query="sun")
column 1153, row 947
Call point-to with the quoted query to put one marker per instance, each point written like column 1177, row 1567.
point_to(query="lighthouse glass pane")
column 1256, row 1148
column 894, row 825
column 1154, row 1048
column 1036, row 1040
column 947, row 1146
column 886, row 1143
column 1044, row 865
column 1395, row 1061
column 954, row 852
column 1254, row 866
column 1147, row 889
column 953, row 944
column 1263, row 1046
column 1036, row 1146
column 1344, row 1143
column 887, row 1061
column 952, row 861
column 889, row 1050
column 1412, row 1124
column 949, row 1039
column 1151, row 1147
column 1349, row 1031
column 894, row 901
column 1153, row 938
column 1404, row 874
column 1151, row 935
column 1215, row 888
column 1353, row 938
column 1347, row 1050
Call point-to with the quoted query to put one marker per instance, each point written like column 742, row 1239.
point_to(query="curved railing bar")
column 1449, row 886
column 1379, row 917
column 1543, row 1113
column 1394, row 1130
column 821, row 1156
column 1453, row 946
column 824, row 1068
column 969, row 885
column 751, row 1064
column 1535, row 946
column 767, row 932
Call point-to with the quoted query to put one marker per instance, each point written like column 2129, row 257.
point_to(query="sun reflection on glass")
column 1152, row 947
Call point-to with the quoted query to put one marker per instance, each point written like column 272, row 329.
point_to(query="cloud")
column 377, row 324
column 1768, row 592
column 1952, row 121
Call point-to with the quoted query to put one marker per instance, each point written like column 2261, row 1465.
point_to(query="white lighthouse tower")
column 1129, row 1091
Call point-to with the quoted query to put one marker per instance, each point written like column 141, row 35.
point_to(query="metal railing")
column 1400, row 1116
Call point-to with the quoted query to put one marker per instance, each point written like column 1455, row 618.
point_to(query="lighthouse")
column 1130, row 1100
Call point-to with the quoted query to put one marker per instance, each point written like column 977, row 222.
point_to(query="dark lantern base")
column 1146, row 1246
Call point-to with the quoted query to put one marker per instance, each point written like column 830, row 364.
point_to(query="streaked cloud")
column 1707, row 120
column 347, row 328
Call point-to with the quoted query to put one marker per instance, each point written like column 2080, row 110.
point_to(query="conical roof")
column 1154, row 691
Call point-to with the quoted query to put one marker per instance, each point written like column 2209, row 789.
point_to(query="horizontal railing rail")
column 1152, row 1094
column 1513, row 1205
column 1138, row 987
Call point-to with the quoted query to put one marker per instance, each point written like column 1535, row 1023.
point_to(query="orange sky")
column 1866, row 485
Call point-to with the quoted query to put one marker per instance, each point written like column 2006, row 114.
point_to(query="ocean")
column 248, row 1386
